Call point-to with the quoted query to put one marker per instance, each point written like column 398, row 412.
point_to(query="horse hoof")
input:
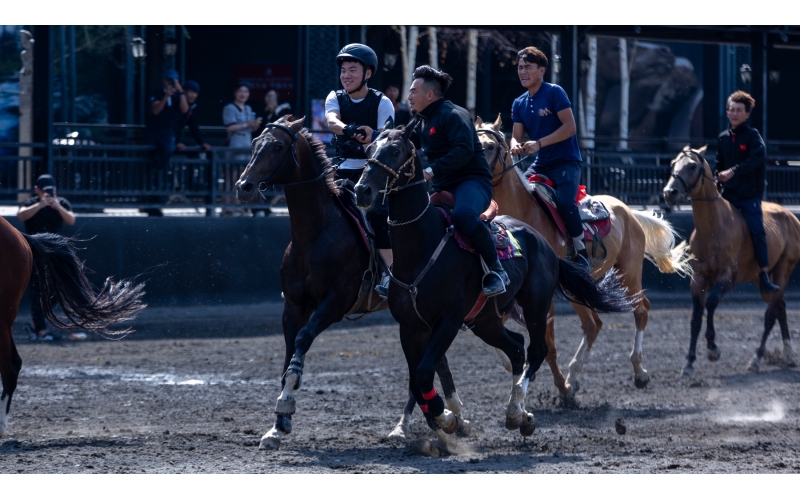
column 528, row 425
column 754, row 366
column 513, row 422
column 688, row 370
column 714, row 354
column 788, row 364
column 447, row 422
column 464, row 427
column 641, row 383
column 270, row 442
column 398, row 433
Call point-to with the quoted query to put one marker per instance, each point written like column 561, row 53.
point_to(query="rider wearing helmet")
column 357, row 114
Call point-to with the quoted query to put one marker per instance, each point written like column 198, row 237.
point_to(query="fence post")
column 211, row 209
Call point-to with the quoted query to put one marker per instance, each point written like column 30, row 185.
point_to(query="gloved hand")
column 350, row 130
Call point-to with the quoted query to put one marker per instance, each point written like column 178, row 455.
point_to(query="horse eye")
column 278, row 148
column 693, row 166
column 395, row 152
column 491, row 146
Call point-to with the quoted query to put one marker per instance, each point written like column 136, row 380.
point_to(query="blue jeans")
column 567, row 178
column 472, row 198
column 751, row 211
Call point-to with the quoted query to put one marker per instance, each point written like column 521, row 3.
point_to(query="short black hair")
column 435, row 79
column 532, row 55
column 243, row 83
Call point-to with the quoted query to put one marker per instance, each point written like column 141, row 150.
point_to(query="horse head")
column 688, row 169
column 390, row 165
column 274, row 158
column 494, row 144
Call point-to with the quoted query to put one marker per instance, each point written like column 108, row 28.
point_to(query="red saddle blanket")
column 594, row 215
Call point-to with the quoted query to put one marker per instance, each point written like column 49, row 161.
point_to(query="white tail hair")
column 660, row 248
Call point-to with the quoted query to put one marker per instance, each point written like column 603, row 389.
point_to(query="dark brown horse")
column 723, row 255
column 62, row 279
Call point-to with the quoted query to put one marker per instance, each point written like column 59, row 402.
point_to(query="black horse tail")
column 604, row 295
column 62, row 280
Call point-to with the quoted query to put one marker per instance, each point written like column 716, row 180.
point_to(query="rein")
column 501, row 143
column 700, row 179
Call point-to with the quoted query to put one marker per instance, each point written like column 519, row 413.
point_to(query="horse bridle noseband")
column 700, row 179
column 501, row 144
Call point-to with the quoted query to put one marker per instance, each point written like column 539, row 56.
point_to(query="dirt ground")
column 191, row 392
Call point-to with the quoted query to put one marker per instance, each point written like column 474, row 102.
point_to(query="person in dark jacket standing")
column 457, row 164
column 741, row 165
column 43, row 213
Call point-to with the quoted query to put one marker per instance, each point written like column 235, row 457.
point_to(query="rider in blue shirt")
column 545, row 114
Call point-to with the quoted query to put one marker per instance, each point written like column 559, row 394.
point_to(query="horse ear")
column 702, row 151
column 687, row 147
column 297, row 124
column 409, row 128
column 498, row 124
column 388, row 124
column 478, row 122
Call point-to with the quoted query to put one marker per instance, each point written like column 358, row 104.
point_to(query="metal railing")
column 96, row 176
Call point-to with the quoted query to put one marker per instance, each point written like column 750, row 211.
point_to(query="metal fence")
column 96, row 176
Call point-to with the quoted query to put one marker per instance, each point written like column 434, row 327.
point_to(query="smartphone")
column 48, row 191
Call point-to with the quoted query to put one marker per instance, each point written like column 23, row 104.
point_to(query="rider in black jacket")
column 741, row 165
column 457, row 164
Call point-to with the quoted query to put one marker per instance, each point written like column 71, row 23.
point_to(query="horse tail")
column 604, row 295
column 62, row 280
column 659, row 247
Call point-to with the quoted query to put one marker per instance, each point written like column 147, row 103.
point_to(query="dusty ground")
column 190, row 393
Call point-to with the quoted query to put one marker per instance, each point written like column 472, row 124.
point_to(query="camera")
column 48, row 191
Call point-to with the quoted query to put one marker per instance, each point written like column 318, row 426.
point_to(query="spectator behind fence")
column 272, row 110
column 184, row 174
column 43, row 213
column 240, row 122
column 187, row 119
column 401, row 113
column 167, row 104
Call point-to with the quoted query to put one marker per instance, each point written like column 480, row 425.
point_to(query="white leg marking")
column 271, row 440
column 401, row 430
column 576, row 365
column 636, row 354
column 754, row 365
column 454, row 403
column 504, row 359
column 3, row 416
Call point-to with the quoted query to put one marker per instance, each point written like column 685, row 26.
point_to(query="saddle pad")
column 594, row 215
column 347, row 200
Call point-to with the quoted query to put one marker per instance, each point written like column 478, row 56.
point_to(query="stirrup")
column 503, row 282
column 383, row 287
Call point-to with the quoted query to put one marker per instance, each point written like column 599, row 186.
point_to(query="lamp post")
column 138, row 51
column 170, row 49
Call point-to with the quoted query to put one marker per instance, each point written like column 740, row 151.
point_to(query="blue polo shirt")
column 539, row 114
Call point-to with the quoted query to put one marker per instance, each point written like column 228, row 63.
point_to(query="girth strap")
column 412, row 288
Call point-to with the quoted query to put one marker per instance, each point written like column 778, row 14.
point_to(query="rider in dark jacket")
column 456, row 164
column 741, row 165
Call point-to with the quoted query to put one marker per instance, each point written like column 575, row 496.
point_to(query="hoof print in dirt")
column 423, row 447
column 619, row 426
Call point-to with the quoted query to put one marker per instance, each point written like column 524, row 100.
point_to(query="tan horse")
column 634, row 235
column 723, row 255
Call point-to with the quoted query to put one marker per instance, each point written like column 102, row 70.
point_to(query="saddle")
column 595, row 217
column 347, row 200
column 445, row 201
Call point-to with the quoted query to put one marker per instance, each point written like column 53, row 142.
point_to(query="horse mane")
column 321, row 159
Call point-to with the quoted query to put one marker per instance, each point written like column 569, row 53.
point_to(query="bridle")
column 501, row 145
column 395, row 176
column 262, row 186
column 701, row 179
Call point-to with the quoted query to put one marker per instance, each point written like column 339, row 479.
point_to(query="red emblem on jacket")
column 742, row 147
column 433, row 130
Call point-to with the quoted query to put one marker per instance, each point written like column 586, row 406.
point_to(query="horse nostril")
column 247, row 187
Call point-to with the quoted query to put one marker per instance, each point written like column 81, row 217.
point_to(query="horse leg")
column 698, row 304
column 536, row 319
column 10, row 365
column 712, row 301
column 769, row 321
column 640, row 315
column 490, row 329
column 591, row 324
column 401, row 430
column 294, row 318
column 781, row 274
column 552, row 356
column 444, row 332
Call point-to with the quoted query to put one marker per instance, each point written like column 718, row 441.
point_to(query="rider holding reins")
column 545, row 113
column 357, row 114
column 457, row 164
column 741, row 166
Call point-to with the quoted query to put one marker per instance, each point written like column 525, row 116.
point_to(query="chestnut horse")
column 634, row 235
column 62, row 279
column 723, row 256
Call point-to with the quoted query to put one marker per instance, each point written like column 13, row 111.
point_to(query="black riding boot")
column 495, row 282
column 766, row 286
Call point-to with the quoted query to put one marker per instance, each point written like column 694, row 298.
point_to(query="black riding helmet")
column 361, row 53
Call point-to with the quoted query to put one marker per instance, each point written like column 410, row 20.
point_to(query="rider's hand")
column 518, row 149
column 206, row 146
column 532, row 147
column 350, row 130
column 363, row 134
column 726, row 175
column 180, row 147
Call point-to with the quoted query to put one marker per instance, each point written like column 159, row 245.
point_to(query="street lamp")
column 170, row 47
column 137, row 48
column 745, row 73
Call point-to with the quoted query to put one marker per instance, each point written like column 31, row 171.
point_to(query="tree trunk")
column 408, row 54
column 624, row 90
column 433, row 48
column 590, row 108
column 24, row 167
